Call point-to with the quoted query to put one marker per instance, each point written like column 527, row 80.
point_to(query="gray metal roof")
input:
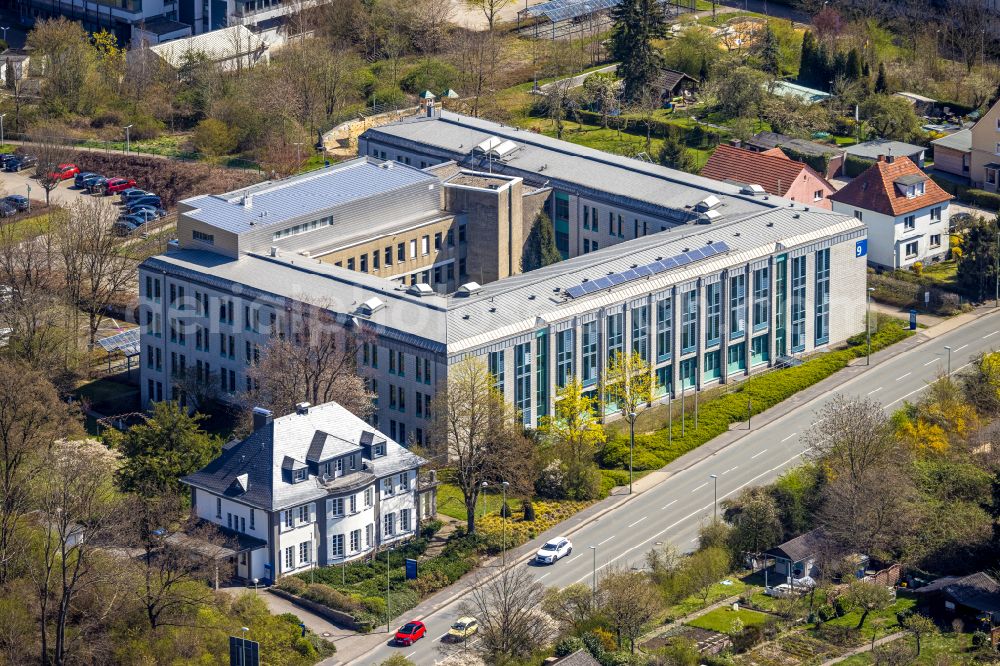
column 960, row 140
column 872, row 149
column 262, row 455
column 312, row 193
column 667, row 193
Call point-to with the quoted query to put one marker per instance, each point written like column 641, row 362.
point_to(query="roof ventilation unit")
column 488, row 145
column 710, row 216
column 302, row 407
column 708, row 203
column 420, row 289
column 371, row 306
column 470, row 288
column 753, row 190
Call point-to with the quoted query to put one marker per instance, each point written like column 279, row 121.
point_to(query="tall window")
column 761, row 286
column 737, row 305
column 337, row 545
column 798, row 303
column 522, row 380
column 822, row 328
column 588, row 351
column 664, row 329
column 689, row 322
column 564, row 357
column 615, row 334
column 713, row 313
column 640, row 331
column 542, row 374
column 495, row 360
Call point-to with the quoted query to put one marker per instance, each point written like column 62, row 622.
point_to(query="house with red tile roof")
column 772, row 170
column 905, row 211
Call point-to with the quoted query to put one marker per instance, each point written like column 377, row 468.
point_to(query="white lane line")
column 730, row 469
column 694, row 513
column 790, row 436
column 903, row 376
column 700, row 487
column 543, row 575
column 957, row 370
column 638, row 521
column 875, row 391
column 931, row 361
column 411, row 654
column 668, row 504
column 990, row 335
column 574, row 557
column 694, row 540
column 605, row 541
column 759, row 453
column 958, row 349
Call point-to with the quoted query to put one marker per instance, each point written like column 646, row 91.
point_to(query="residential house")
column 797, row 558
column 974, row 598
column 905, row 211
column 870, row 151
column 802, row 150
column 772, row 170
column 985, row 158
column 953, row 153
column 314, row 488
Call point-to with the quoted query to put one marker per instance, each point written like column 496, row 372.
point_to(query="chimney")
column 302, row 407
column 261, row 417
column 735, row 143
column 247, row 201
column 881, row 158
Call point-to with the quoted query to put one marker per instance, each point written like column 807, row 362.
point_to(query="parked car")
column 158, row 212
column 132, row 192
column 64, row 172
column 124, row 227
column 82, row 176
column 553, row 550
column 463, row 629
column 95, row 184
column 6, row 157
column 7, row 210
column 148, row 200
column 410, row 633
column 115, row 185
column 139, row 216
column 20, row 163
column 90, row 181
column 18, row 201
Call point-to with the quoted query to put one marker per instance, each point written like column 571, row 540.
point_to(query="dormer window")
column 379, row 450
column 299, row 475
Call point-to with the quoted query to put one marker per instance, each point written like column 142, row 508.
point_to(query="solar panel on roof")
column 576, row 291
column 668, row 263
column 126, row 342
column 682, row 259
column 616, row 278
column 695, row 254
column 602, row 283
column 643, row 271
column 589, row 287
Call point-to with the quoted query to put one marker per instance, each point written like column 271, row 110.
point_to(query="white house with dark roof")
column 314, row 488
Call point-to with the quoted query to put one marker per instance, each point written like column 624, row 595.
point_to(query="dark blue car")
column 82, row 176
column 18, row 201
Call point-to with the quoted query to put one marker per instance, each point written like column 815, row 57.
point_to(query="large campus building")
column 416, row 245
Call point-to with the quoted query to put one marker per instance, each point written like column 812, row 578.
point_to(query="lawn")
column 717, row 592
column 722, row 619
column 942, row 273
column 27, row 227
column 884, row 621
column 946, row 648
column 451, row 503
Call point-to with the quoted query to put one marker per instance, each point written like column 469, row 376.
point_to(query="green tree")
column 673, row 154
column 891, row 117
column 540, row 248
column 881, row 81
column 636, row 24
column 740, row 92
column 755, row 520
column 628, row 601
column 807, row 59
column 867, row 597
column 976, row 272
column 628, row 382
column 766, row 51
column 169, row 445
column 703, row 569
column 920, row 626
column 853, row 70
column 573, row 434
column 692, row 51
column 214, row 137
column 602, row 89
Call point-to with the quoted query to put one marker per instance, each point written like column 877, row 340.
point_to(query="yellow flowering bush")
column 547, row 515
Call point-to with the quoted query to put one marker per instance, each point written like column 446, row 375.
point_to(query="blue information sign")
column 861, row 248
column 411, row 569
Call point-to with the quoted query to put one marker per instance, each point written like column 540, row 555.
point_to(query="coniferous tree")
column 674, row 154
column 636, row 24
column 881, row 83
column 767, row 52
column 853, row 72
column 807, row 57
column 703, row 70
column 540, row 249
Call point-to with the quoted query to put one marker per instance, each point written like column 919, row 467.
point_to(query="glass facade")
column 616, row 334
column 689, row 322
column 663, row 377
column 798, row 309
column 759, row 350
column 822, row 297
column 588, row 352
column 688, row 372
column 640, row 331
column 761, row 287
column 561, row 223
column 713, row 369
column 713, row 314
column 564, row 357
column 542, row 370
column 495, row 360
column 736, row 359
column 780, row 297
column 522, row 380
column 737, row 305
column 664, row 329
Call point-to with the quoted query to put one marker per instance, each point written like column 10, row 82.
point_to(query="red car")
column 115, row 185
column 64, row 171
column 410, row 633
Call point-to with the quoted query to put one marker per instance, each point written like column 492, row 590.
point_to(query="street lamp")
column 128, row 142
column 243, row 646
column 997, row 266
column 948, row 349
column 631, row 447
column 715, row 504
column 388, row 614
column 482, row 493
column 670, row 413
column 593, row 580
column 1, row 127
column 503, row 516
column 868, row 326
column 5, row 28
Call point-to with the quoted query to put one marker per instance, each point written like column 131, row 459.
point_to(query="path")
column 577, row 81
column 867, row 647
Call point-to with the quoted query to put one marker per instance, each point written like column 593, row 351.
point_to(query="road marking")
column 875, row 391
column 411, row 654
column 903, row 376
column 730, row 469
column 789, row 437
column 989, row 335
column 544, row 575
column 958, row 349
column 605, row 541
column 638, row 521
column 932, row 361
column 700, row 487
column 957, row 370
column 671, row 502
column 759, row 453
column 574, row 557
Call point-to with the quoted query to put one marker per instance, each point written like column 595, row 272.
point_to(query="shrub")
column 433, row 75
column 983, row 199
column 429, row 528
column 292, row 585
column 748, row 638
column 568, row 646
column 528, row 510
column 214, row 137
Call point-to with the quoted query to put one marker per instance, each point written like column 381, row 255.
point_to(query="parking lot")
column 64, row 194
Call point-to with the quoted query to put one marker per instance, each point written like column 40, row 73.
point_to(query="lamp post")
column 670, row 415
column 1, row 127
column 715, row 503
column 948, row 349
column 128, row 142
column 631, row 447
column 683, row 419
column 997, row 265
column 298, row 155
column 243, row 645
column 868, row 326
column 749, row 411
column 482, row 493
column 503, row 511
column 593, row 579
column 388, row 613
column 5, row 28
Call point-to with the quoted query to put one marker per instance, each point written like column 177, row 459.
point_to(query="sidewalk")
column 353, row 648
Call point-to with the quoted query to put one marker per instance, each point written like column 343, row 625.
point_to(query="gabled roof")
column 871, row 150
column 876, row 190
column 979, row 591
column 802, row 547
column 960, row 140
column 765, row 140
column 579, row 658
column 669, row 78
column 774, row 173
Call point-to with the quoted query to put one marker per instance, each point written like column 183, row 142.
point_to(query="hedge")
column 654, row 450
column 962, row 192
column 819, row 163
column 855, row 166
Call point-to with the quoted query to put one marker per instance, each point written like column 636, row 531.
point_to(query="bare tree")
column 474, row 428
column 629, row 601
column 314, row 361
column 508, row 607
column 853, row 437
column 51, row 151
column 572, row 606
column 490, row 9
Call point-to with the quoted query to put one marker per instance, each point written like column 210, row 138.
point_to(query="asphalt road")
column 673, row 511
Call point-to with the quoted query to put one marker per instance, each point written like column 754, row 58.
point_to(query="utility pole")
column 868, row 326
column 631, row 447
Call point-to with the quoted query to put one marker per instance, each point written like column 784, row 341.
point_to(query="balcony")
column 349, row 482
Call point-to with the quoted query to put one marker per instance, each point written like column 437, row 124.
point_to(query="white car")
column 553, row 550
